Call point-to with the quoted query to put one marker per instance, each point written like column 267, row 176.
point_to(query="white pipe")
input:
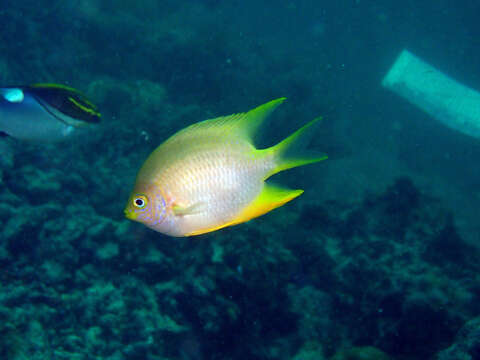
column 455, row 105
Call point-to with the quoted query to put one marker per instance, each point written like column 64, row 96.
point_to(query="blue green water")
column 378, row 259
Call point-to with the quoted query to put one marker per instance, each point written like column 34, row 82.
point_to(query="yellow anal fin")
column 270, row 198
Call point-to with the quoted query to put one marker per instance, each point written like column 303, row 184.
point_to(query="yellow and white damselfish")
column 209, row 175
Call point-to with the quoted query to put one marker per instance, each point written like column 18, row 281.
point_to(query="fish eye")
column 140, row 201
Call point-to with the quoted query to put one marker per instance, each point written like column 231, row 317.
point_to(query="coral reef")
column 337, row 275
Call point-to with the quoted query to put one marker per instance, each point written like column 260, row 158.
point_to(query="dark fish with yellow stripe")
column 44, row 112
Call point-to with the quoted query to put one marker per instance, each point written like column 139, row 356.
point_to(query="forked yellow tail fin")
column 290, row 152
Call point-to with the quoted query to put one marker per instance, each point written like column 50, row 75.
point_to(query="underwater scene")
column 239, row 180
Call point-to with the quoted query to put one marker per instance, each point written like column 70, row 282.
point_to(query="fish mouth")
column 129, row 214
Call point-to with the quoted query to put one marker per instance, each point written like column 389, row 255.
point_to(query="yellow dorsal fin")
column 241, row 125
column 247, row 125
column 54, row 86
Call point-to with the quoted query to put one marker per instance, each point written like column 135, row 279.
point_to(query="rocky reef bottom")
column 387, row 278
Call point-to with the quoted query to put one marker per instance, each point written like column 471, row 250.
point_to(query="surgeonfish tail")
column 290, row 152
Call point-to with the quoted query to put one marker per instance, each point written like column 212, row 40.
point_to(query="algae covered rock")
column 310, row 351
column 6, row 160
column 361, row 353
column 314, row 309
column 466, row 345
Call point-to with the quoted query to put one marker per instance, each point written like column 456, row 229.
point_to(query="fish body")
column 210, row 175
column 44, row 112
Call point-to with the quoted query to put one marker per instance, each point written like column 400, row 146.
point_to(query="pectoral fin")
column 179, row 210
